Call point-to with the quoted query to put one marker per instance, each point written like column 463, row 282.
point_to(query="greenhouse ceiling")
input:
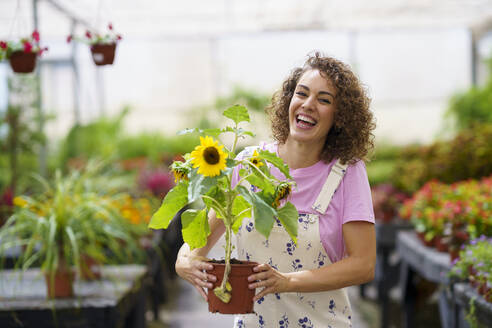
column 166, row 18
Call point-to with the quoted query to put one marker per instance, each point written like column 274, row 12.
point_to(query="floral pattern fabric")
column 299, row 310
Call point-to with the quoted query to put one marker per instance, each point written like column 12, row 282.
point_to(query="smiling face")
column 312, row 109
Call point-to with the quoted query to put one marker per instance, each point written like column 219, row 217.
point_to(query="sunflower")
column 208, row 157
column 180, row 171
column 255, row 159
column 282, row 191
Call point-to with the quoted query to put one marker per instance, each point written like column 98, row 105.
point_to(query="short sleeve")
column 357, row 201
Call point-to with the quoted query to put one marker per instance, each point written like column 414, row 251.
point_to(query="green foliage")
column 249, row 98
column 473, row 106
column 468, row 155
column 98, row 139
column 210, row 180
column 72, row 215
column 381, row 167
column 195, row 228
column 174, row 201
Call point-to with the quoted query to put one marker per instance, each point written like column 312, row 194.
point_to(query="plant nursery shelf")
column 483, row 309
column 430, row 264
column 117, row 300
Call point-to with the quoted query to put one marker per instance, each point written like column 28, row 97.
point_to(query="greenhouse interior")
column 151, row 196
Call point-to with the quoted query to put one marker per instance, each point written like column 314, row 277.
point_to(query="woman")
column 322, row 126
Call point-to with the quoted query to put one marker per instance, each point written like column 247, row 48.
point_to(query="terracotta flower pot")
column 60, row 285
column 22, row 62
column 103, row 54
column 242, row 297
column 90, row 268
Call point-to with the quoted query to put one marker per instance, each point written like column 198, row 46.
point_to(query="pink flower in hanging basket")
column 29, row 44
column 27, row 47
column 43, row 50
column 93, row 37
column 35, row 35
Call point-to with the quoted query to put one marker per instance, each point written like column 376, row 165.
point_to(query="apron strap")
column 331, row 184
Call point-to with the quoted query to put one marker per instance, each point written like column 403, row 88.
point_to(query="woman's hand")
column 268, row 277
column 191, row 268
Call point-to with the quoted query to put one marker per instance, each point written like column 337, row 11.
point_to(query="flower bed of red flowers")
column 448, row 215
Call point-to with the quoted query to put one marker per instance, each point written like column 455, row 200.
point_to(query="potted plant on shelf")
column 102, row 46
column 206, row 176
column 22, row 54
column 62, row 227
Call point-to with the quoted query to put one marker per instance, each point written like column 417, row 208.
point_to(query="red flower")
column 110, row 26
column 35, row 35
column 43, row 50
column 118, row 37
column 69, row 38
column 88, row 34
column 3, row 45
column 27, row 47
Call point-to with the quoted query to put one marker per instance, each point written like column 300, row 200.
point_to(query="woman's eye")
column 326, row 101
column 300, row 93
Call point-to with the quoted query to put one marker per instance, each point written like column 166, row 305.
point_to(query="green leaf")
column 237, row 113
column 240, row 205
column 174, row 201
column 288, row 216
column 264, row 213
column 210, row 132
column 216, row 193
column 195, row 228
column 199, row 185
column 277, row 161
column 239, row 131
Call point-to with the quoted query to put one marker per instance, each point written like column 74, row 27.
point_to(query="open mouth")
column 305, row 121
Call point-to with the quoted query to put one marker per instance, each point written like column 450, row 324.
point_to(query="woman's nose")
column 309, row 103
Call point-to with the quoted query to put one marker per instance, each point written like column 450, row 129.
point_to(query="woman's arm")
column 190, row 264
column 356, row 268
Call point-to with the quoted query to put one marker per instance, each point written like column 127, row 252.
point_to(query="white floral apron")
column 304, row 310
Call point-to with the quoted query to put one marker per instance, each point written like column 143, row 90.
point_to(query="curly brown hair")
column 350, row 139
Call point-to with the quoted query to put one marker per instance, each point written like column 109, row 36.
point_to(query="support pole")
column 39, row 101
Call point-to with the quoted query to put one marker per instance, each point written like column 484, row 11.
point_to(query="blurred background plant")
column 457, row 212
column 75, row 218
column 475, row 265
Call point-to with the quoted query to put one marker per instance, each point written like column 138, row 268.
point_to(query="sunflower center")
column 211, row 155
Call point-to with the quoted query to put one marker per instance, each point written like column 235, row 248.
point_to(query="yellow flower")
column 208, row 157
column 20, row 202
column 179, row 175
column 256, row 160
column 180, row 170
column 282, row 191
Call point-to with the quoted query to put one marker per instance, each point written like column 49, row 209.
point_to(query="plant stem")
column 228, row 224
column 235, row 139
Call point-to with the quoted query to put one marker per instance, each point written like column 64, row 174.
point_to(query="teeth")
column 306, row 119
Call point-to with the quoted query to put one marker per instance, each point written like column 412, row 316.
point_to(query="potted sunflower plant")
column 205, row 180
column 102, row 46
column 66, row 223
column 22, row 54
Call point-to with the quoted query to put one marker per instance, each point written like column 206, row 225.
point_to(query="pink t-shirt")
column 351, row 201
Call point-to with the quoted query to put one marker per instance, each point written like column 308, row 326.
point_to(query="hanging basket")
column 103, row 53
column 22, row 62
column 242, row 297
